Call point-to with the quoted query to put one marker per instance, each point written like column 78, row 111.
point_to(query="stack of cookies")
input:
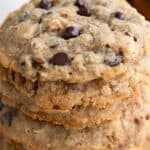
column 74, row 75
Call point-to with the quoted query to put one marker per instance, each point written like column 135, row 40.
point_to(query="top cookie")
column 72, row 40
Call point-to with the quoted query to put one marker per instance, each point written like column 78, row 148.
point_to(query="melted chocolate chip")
column 45, row 4
column 83, row 8
column 114, row 61
column 71, row 32
column 119, row 15
column 7, row 118
column 60, row 59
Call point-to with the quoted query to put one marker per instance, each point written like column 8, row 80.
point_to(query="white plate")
column 6, row 6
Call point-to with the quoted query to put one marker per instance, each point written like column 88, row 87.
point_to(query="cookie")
column 78, row 117
column 7, row 144
column 54, row 43
column 83, row 115
column 67, row 95
column 74, row 76
column 97, row 93
column 128, row 130
column 70, row 61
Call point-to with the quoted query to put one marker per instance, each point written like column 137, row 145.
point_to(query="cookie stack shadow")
column 79, row 99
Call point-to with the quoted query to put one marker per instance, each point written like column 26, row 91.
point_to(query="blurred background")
column 7, row 6
column 143, row 7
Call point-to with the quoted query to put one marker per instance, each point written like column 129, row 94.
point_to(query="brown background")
column 143, row 7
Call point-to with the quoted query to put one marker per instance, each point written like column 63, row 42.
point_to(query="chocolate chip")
column 12, row 75
column 7, row 118
column 147, row 117
column 35, row 64
column 80, row 3
column 119, row 15
column 60, row 59
column 56, row 107
column 127, row 33
column 71, row 32
column 84, row 11
column 139, row 120
column 135, row 39
column 35, row 86
column 83, row 8
column 23, row 80
column 23, row 64
column 113, row 60
column 54, row 45
column 112, row 29
column 77, row 107
column 1, row 104
column 107, row 46
column 24, row 16
column 40, row 20
column 114, row 63
column 43, row 16
column 45, row 4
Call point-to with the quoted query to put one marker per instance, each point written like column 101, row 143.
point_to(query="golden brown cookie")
column 7, row 144
column 84, row 57
column 52, row 43
column 79, row 117
column 127, row 131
